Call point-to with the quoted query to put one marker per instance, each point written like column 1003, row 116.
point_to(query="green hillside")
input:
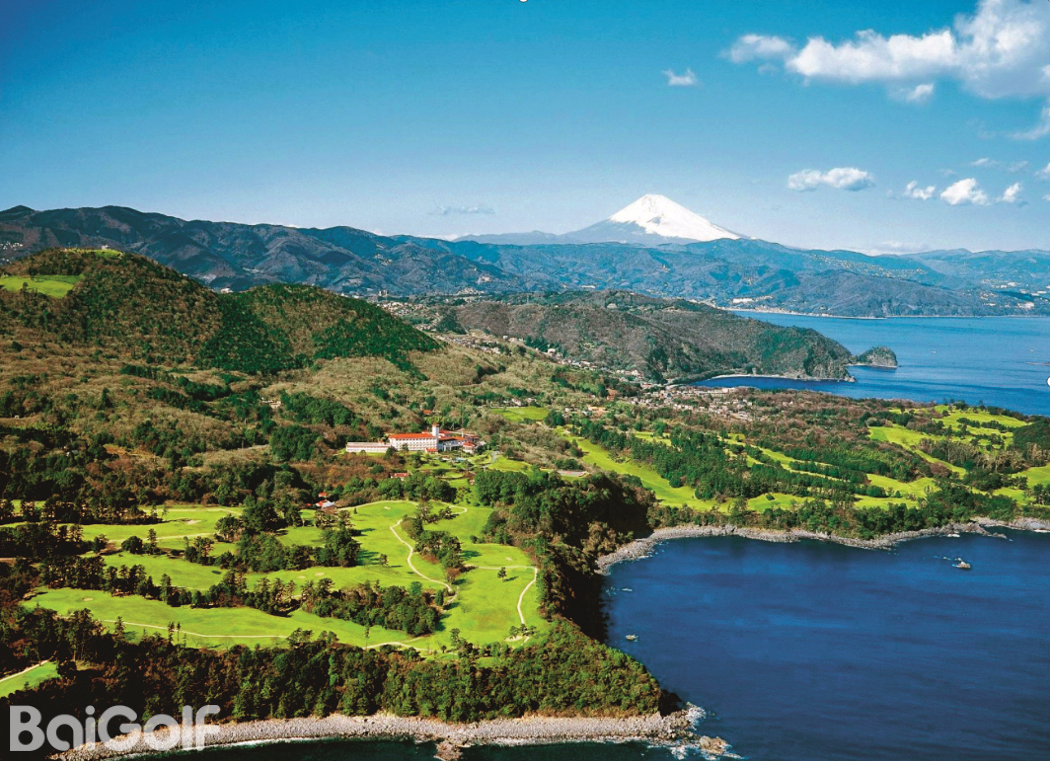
column 659, row 339
column 128, row 304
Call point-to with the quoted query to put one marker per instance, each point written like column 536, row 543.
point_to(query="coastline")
column 877, row 317
column 675, row 730
column 807, row 379
column 642, row 548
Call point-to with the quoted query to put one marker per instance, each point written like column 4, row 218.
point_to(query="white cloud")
column 1046, row 198
column 752, row 47
column 913, row 190
column 840, row 178
column 448, row 211
column 1044, row 173
column 1001, row 51
column 872, row 57
column 899, row 247
column 965, row 193
column 919, row 93
column 1012, row 166
column 685, row 79
column 1012, row 194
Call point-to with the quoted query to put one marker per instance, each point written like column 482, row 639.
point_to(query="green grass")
column 180, row 521
column 522, row 414
column 910, row 492
column 212, row 627
column 36, row 675
column 483, row 609
column 505, row 463
column 909, row 439
column 182, row 573
column 677, row 496
column 1039, row 476
column 953, row 415
column 763, row 502
column 55, row 286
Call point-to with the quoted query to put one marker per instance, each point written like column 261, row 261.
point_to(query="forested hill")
column 661, row 339
column 125, row 304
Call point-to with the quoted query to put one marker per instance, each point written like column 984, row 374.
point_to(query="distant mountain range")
column 652, row 220
column 725, row 271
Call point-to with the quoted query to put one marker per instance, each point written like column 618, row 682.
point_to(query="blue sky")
column 788, row 121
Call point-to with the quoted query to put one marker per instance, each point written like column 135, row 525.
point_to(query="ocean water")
column 1000, row 361
column 818, row 651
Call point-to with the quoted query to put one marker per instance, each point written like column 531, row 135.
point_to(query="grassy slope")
column 909, row 439
column 522, row 414
column 908, row 492
column 55, row 286
column 601, row 458
column 180, row 521
column 483, row 611
column 36, row 675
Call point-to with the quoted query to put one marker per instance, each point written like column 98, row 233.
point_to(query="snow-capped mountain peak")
column 652, row 220
column 660, row 216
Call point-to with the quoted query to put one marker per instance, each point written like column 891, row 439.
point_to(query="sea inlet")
column 819, row 651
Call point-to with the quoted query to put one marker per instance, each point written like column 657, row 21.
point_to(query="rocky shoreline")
column 676, row 730
column 641, row 548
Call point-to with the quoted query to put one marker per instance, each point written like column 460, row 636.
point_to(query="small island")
column 877, row 356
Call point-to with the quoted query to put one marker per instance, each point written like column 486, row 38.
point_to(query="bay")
column 998, row 361
column 819, row 651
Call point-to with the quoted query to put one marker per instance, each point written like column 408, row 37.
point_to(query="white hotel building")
column 436, row 440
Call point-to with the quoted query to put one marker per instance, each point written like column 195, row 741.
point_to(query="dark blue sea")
column 1000, row 361
column 818, row 651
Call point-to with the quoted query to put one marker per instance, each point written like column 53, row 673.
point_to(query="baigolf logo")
column 66, row 731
